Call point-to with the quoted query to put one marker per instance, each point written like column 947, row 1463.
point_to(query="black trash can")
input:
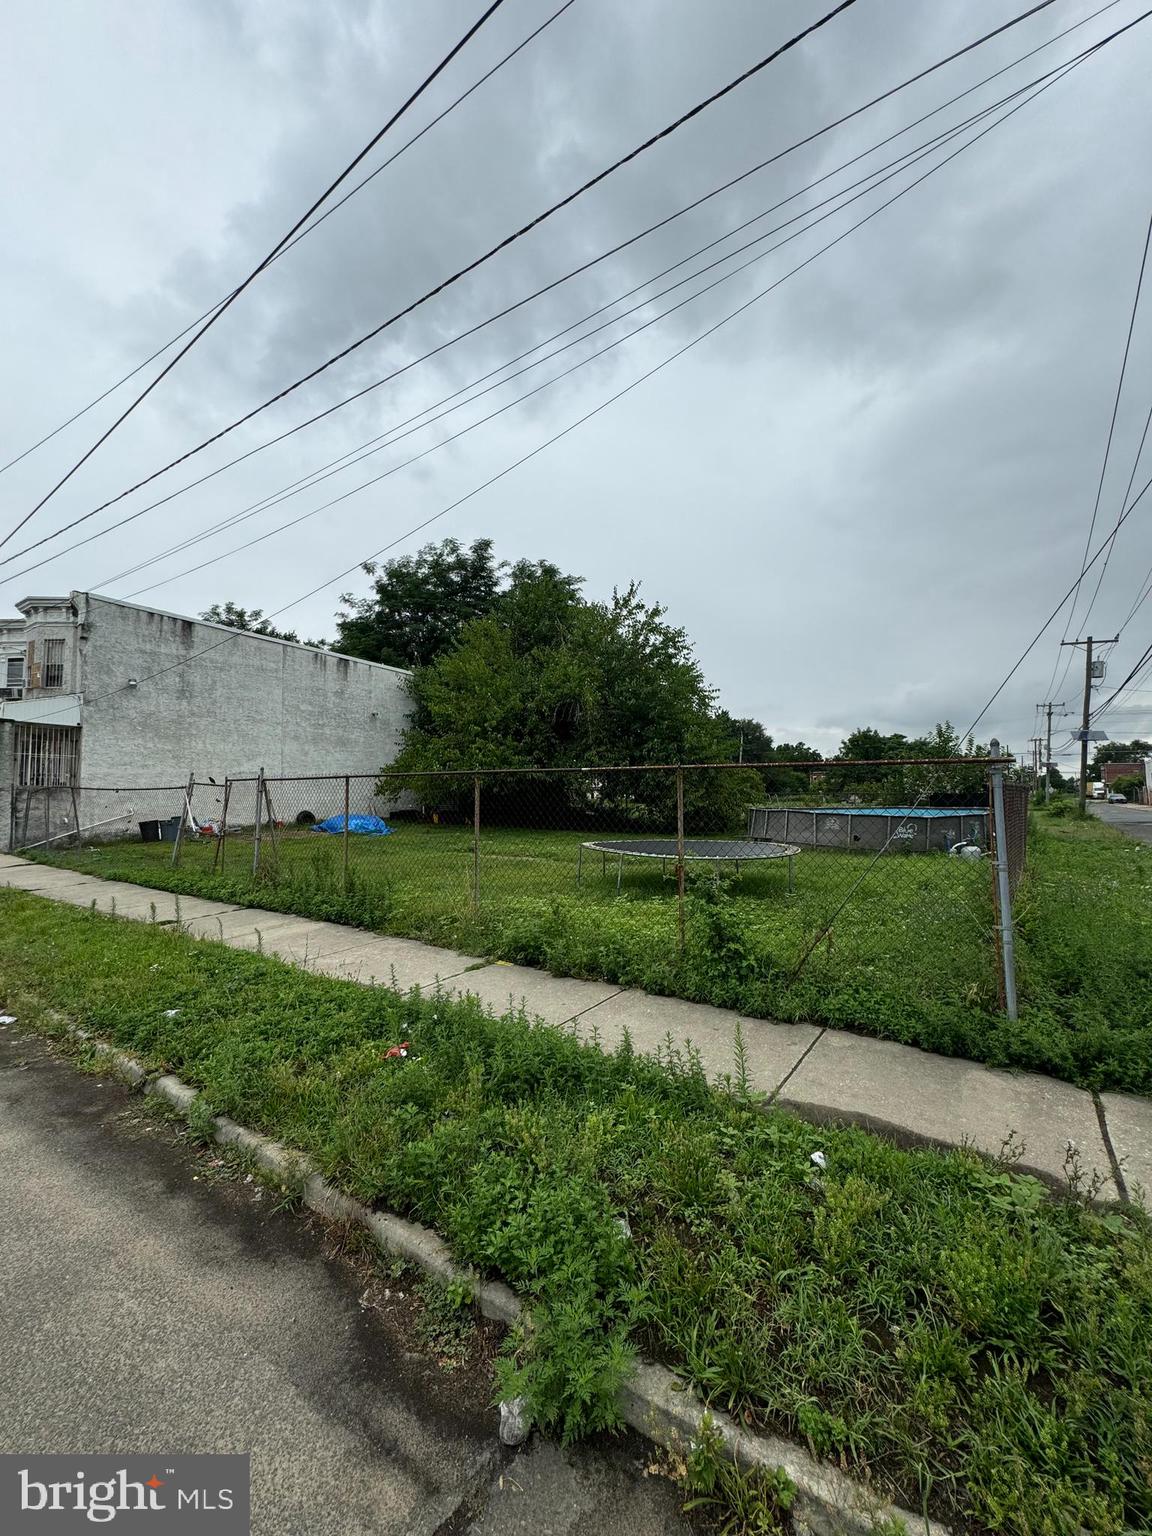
column 149, row 831
column 169, row 828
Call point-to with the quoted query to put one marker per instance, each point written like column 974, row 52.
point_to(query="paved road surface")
column 141, row 1310
column 1136, row 820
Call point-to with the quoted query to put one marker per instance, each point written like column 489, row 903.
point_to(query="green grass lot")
column 910, row 958
column 927, row 1320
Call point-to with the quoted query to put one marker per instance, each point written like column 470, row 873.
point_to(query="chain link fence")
column 796, row 889
column 1017, row 798
column 59, row 817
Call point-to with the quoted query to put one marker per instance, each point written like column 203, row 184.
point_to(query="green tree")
column 252, row 620
column 949, row 784
column 548, row 679
column 749, row 742
column 952, row 783
column 1118, row 752
column 865, row 744
column 797, row 752
column 1128, row 785
column 868, row 743
column 419, row 604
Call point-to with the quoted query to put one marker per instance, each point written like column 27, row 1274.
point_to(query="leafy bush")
column 727, row 962
column 1129, row 785
column 1059, row 808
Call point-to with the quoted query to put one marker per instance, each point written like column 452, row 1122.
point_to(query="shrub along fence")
column 892, row 880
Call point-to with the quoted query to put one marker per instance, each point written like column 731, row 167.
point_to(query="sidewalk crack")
column 1114, row 1161
column 796, row 1065
column 591, row 1006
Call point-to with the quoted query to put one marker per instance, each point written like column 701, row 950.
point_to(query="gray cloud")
column 860, row 497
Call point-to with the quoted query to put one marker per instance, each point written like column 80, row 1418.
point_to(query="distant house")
column 98, row 695
column 1114, row 771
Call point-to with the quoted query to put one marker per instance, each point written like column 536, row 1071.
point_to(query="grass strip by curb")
column 653, row 1401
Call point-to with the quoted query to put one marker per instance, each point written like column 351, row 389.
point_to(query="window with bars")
column 15, row 672
column 53, row 664
column 47, row 755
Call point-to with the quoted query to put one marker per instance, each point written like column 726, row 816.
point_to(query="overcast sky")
column 861, row 496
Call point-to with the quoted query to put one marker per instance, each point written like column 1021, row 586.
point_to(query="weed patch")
column 927, row 1320
column 909, row 959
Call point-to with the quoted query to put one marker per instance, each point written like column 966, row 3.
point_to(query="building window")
column 53, row 664
column 47, row 755
column 15, row 677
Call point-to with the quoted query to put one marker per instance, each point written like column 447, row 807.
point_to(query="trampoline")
column 716, row 851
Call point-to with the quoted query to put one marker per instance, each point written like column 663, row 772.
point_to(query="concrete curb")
column 654, row 1402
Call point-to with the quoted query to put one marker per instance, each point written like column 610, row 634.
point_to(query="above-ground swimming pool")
column 899, row 828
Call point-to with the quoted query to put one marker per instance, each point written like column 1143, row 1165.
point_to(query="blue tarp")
column 370, row 824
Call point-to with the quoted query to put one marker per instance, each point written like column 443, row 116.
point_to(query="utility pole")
column 1087, row 711
column 1048, row 754
column 1084, row 724
column 1047, row 708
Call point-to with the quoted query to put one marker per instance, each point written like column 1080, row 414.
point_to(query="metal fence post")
column 347, row 807
column 1003, row 896
column 680, row 859
column 259, row 823
column 476, row 841
column 185, row 815
column 273, row 835
column 222, row 830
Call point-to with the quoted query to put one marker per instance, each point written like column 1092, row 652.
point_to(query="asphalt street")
column 147, row 1307
column 1136, row 820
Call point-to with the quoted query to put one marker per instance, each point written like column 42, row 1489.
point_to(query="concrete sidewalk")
column 824, row 1074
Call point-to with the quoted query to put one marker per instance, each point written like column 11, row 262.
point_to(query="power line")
column 404, row 464
column 1104, row 465
column 1123, row 502
column 303, row 233
column 321, row 471
column 1030, row 647
column 565, row 277
column 1143, row 592
column 1115, row 694
column 394, row 469
column 1146, row 579
column 493, row 7
column 441, row 287
column 564, row 432
column 405, row 428
column 1143, row 662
